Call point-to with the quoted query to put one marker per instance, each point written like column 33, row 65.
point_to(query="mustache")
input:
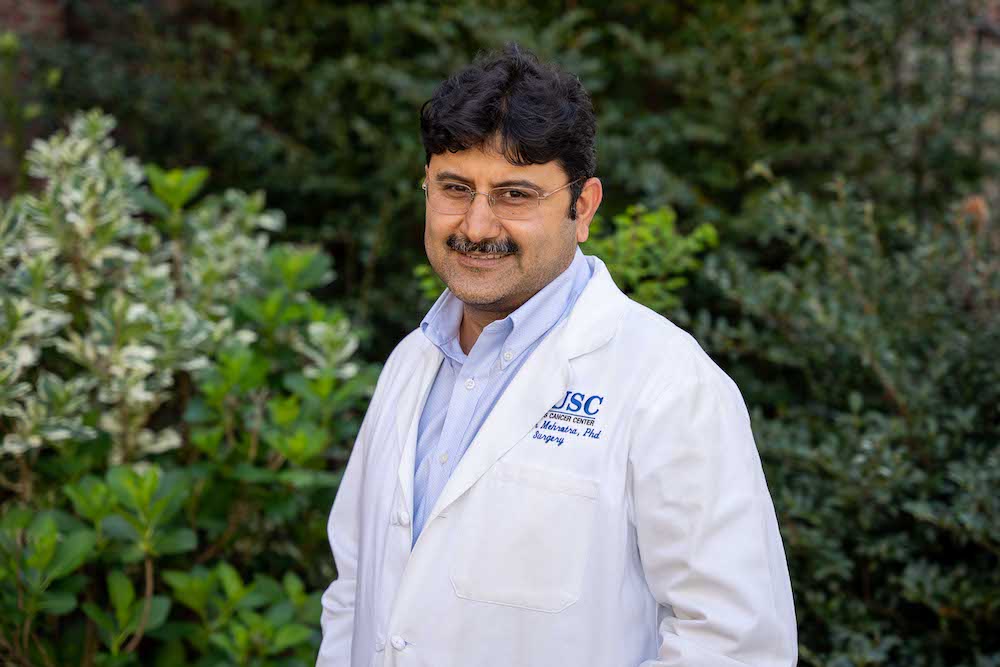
column 491, row 247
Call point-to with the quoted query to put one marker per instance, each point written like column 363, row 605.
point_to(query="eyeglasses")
column 507, row 203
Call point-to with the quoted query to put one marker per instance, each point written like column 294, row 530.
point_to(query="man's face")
column 492, row 264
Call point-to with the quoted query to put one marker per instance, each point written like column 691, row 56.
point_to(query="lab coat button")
column 470, row 383
column 403, row 517
column 379, row 644
column 398, row 642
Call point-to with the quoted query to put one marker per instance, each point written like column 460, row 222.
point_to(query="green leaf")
column 98, row 616
column 149, row 203
column 293, row 585
column 121, row 526
column 176, row 187
column 91, row 498
column 16, row 518
column 71, row 553
column 223, row 642
column 175, row 541
column 124, row 484
column 122, row 595
column 288, row 636
column 208, row 439
column 169, row 497
column 57, row 602
column 43, row 540
column 159, row 608
column 283, row 410
column 171, row 654
column 299, row 446
column 299, row 268
column 230, row 579
column 192, row 589
column 306, row 479
column 254, row 475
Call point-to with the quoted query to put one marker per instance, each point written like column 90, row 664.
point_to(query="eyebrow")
column 519, row 182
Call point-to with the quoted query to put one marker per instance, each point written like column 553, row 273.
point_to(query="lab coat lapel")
column 540, row 383
column 408, row 410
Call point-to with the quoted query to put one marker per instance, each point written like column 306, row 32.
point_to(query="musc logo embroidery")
column 577, row 402
column 576, row 409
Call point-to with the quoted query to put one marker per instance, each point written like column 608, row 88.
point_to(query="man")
column 548, row 473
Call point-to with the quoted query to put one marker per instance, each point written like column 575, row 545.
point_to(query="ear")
column 586, row 206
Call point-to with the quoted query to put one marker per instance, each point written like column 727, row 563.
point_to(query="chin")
column 481, row 300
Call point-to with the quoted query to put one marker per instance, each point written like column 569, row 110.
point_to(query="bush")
column 173, row 402
column 892, row 328
column 869, row 361
column 316, row 103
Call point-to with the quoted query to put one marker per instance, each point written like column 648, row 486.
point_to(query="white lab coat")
column 648, row 540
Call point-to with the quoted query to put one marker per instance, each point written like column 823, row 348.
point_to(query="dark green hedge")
column 317, row 104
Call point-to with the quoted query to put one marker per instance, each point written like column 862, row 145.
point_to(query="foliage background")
column 808, row 187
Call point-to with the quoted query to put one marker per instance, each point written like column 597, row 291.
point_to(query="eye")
column 455, row 187
column 514, row 194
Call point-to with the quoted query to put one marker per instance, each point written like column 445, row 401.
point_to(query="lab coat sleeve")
column 706, row 529
column 343, row 530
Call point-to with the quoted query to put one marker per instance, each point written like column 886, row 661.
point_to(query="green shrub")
column 316, row 103
column 878, row 412
column 869, row 362
column 173, row 405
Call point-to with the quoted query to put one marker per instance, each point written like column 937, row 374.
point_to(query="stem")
column 42, row 651
column 126, row 432
column 26, row 479
column 14, row 653
column 19, row 539
column 90, row 638
column 89, row 644
column 7, row 484
column 276, row 461
column 234, row 520
column 25, row 634
column 177, row 262
column 147, row 603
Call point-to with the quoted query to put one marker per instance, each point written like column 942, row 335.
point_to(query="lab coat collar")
column 538, row 385
column 596, row 315
column 519, row 329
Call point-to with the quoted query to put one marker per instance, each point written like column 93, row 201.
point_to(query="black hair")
column 537, row 112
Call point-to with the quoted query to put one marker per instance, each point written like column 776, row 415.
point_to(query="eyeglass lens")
column 455, row 199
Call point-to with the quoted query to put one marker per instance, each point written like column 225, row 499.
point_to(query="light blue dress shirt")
column 467, row 387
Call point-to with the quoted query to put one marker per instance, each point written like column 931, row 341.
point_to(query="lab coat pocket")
column 523, row 538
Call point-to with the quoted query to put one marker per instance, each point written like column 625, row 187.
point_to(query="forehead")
column 487, row 167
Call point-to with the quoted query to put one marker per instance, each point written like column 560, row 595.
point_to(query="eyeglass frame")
column 490, row 199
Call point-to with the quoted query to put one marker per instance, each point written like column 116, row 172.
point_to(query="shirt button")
column 403, row 517
column 398, row 642
column 508, row 355
column 443, row 458
column 470, row 383
column 379, row 644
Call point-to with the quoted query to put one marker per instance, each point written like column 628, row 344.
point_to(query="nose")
column 479, row 222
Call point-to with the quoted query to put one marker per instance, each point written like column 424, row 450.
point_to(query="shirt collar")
column 522, row 327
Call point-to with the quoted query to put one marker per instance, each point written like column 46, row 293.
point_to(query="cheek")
column 541, row 241
column 435, row 230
